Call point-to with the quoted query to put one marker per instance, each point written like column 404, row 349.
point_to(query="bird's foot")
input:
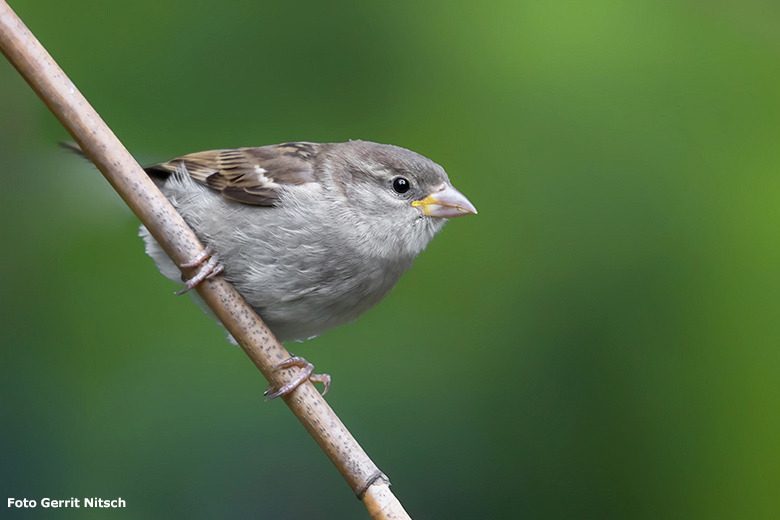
column 212, row 268
column 305, row 373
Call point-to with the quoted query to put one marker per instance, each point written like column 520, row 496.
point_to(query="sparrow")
column 312, row 235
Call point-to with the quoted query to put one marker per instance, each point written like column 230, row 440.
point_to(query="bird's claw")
column 306, row 372
column 203, row 255
column 212, row 268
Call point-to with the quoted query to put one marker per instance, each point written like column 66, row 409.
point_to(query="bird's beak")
column 445, row 202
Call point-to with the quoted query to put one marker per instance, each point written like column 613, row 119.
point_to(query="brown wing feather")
column 248, row 175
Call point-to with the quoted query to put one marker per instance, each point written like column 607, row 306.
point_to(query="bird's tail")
column 73, row 148
column 155, row 173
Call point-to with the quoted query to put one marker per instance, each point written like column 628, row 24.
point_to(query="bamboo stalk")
column 99, row 143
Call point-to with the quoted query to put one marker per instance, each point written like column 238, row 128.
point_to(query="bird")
column 311, row 234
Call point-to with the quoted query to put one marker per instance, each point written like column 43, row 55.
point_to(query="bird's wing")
column 249, row 175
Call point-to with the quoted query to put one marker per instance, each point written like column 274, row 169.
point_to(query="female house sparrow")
column 312, row 235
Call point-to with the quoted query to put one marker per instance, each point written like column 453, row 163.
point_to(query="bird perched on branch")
column 312, row 235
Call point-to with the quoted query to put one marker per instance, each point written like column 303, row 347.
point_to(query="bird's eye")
column 401, row 185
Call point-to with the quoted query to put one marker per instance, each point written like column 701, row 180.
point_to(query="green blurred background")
column 601, row 341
